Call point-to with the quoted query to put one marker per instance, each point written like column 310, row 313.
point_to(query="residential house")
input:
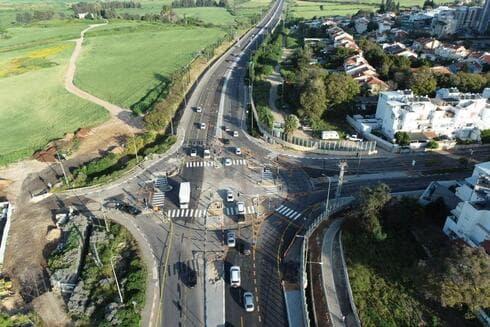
column 470, row 220
column 399, row 49
column 425, row 43
column 451, row 114
column 361, row 24
column 451, row 51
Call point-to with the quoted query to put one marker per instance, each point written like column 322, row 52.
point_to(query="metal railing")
column 349, row 289
column 333, row 207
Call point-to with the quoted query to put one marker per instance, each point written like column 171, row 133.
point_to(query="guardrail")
column 349, row 289
column 333, row 207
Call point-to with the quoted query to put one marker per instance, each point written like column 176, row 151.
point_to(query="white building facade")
column 470, row 220
column 451, row 114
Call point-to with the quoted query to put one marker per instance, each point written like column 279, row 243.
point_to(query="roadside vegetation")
column 404, row 271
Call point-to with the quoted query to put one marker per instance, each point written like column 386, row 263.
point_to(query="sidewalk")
column 276, row 80
column 214, row 293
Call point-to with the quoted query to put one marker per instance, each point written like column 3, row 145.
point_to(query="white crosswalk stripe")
column 288, row 212
column 186, row 213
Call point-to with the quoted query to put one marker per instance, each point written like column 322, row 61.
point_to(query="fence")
column 310, row 145
column 333, row 207
column 349, row 289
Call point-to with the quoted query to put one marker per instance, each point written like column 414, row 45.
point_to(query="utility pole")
column 342, row 166
column 62, row 168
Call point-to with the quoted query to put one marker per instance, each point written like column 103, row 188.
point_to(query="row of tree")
column 455, row 275
column 26, row 17
column 95, row 8
column 199, row 3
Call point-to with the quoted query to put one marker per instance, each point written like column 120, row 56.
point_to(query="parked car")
column 227, row 129
column 198, row 109
column 229, row 196
column 238, row 151
column 248, row 301
column 235, row 133
column 231, row 239
column 203, row 125
column 228, row 162
column 226, row 141
column 122, row 206
column 245, row 247
column 235, row 279
column 193, row 152
column 206, row 153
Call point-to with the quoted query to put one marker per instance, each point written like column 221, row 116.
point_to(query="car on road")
column 227, row 129
column 235, row 133
column 235, row 280
column 248, row 301
column 203, row 125
column 229, row 196
column 240, row 208
column 127, row 208
column 231, row 239
column 228, row 162
column 238, row 151
column 246, row 248
column 206, row 153
column 191, row 277
column 226, row 141
column 193, row 152
column 198, row 109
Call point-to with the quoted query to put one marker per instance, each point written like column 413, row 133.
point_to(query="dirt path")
column 117, row 113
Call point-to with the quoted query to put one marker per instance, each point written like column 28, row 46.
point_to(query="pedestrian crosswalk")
column 158, row 199
column 186, row 213
column 193, row 164
column 197, row 164
column 288, row 212
column 231, row 211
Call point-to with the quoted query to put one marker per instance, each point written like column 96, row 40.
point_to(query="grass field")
column 308, row 10
column 35, row 106
column 123, row 74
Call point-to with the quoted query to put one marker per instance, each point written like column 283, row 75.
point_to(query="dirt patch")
column 51, row 308
column 48, row 155
column 82, row 133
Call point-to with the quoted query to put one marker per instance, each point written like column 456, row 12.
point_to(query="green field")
column 123, row 74
column 308, row 10
column 35, row 106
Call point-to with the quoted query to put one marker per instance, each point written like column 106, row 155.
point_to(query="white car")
column 203, row 125
column 227, row 129
column 228, row 162
column 235, row 279
column 235, row 133
column 207, row 153
column 229, row 196
column 248, row 301
column 238, row 151
column 193, row 152
column 240, row 208
column 231, row 239
column 199, row 109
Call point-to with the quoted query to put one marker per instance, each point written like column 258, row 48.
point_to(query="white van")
column 235, row 276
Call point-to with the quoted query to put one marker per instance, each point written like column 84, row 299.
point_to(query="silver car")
column 248, row 301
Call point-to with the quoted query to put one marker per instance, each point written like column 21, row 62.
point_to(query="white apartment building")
column 470, row 220
column 452, row 114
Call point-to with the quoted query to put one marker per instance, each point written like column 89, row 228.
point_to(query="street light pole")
column 328, row 193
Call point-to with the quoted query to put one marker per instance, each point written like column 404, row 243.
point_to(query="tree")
column 372, row 26
column 291, row 124
column 467, row 82
column 422, row 83
column 370, row 202
column 461, row 278
column 402, row 138
column 321, row 7
column 339, row 55
column 313, row 99
column 341, row 89
column 485, row 136
column 432, row 145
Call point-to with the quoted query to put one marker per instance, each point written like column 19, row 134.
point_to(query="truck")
column 184, row 195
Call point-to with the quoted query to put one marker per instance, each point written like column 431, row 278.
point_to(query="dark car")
column 245, row 247
column 226, row 141
column 191, row 277
column 124, row 207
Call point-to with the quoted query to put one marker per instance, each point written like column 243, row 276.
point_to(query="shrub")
column 432, row 145
column 402, row 138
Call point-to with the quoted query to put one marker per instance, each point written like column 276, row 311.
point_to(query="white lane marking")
column 287, row 212
column 191, row 212
column 280, row 208
column 185, row 214
column 168, row 213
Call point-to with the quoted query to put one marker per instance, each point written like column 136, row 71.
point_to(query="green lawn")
column 123, row 74
column 212, row 15
column 36, row 108
column 308, row 10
